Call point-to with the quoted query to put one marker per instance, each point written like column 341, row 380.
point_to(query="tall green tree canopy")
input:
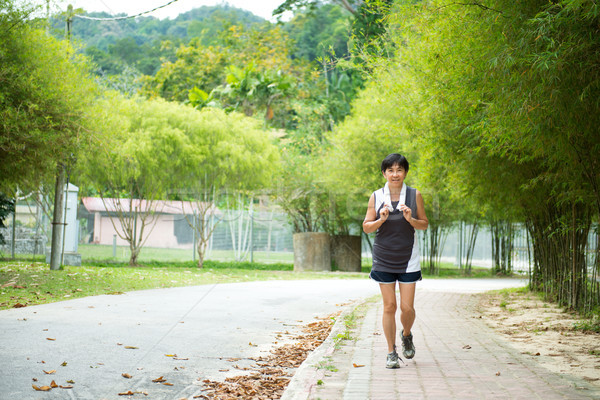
column 46, row 96
column 153, row 150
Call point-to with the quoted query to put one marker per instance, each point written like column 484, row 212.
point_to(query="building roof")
column 97, row 204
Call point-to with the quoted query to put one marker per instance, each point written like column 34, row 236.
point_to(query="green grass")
column 99, row 252
column 589, row 325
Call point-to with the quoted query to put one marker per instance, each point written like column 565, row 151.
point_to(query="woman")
column 395, row 211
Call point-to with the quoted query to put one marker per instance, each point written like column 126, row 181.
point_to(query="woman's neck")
column 395, row 195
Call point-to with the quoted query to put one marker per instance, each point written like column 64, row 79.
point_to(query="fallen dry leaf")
column 127, row 393
column 271, row 375
column 131, row 347
column 49, row 338
column 66, row 387
column 180, row 359
column 126, row 376
column 170, row 355
column 42, row 388
column 357, row 365
column 70, row 381
column 159, row 380
column 53, row 385
column 64, row 364
column 52, row 371
column 167, row 384
column 498, row 373
column 466, row 347
column 19, row 305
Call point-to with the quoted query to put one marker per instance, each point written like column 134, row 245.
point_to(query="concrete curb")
column 305, row 379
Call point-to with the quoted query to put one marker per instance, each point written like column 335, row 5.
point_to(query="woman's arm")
column 371, row 223
column 421, row 222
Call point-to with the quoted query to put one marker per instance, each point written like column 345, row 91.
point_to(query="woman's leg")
column 407, row 306
column 388, row 293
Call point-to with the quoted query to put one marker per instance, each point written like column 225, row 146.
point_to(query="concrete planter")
column 346, row 252
column 312, row 251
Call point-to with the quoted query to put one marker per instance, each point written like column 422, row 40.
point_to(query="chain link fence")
column 239, row 235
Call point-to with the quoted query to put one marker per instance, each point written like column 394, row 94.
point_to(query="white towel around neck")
column 387, row 199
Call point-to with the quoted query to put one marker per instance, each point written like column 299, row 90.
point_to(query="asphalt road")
column 204, row 326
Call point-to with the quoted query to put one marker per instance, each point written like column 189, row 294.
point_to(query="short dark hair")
column 392, row 160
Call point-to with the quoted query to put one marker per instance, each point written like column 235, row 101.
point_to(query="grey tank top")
column 395, row 248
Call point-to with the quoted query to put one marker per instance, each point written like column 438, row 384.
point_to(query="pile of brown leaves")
column 272, row 374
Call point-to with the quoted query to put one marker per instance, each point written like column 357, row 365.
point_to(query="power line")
column 107, row 7
column 126, row 17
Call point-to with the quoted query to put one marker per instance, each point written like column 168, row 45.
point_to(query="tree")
column 229, row 155
column 155, row 150
column 320, row 34
column 250, row 91
column 134, row 167
column 206, row 67
column 293, row 5
column 46, row 97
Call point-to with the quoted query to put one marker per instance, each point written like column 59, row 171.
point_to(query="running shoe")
column 408, row 348
column 392, row 360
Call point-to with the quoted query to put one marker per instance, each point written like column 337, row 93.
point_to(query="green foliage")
column 499, row 102
column 46, row 95
column 370, row 26
column 138, row 43
column 299, row 194
column 250, row 91
column 264, row 47
column 168, row 147
column 153, row 150
column 319, row 34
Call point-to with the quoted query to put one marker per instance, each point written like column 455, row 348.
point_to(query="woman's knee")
column 407, row 308
column 390, row 308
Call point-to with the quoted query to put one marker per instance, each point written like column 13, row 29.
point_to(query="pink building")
column 171, row 229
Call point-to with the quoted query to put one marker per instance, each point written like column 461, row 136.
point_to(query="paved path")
column 458, row 357
column 207, row 325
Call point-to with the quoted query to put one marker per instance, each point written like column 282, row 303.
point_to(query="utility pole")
column 59, row 191
column 57, row 221
column 14, row 230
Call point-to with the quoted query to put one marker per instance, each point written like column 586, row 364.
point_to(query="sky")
column 262, row 8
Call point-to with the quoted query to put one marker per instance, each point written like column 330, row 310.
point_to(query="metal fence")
column 261, row 236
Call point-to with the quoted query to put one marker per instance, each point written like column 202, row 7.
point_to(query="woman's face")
column 395, row 175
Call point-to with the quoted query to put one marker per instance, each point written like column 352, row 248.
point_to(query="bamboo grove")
column 497, row 102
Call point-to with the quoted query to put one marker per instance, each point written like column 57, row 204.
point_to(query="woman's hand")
column 384, row 214
column 406, row 212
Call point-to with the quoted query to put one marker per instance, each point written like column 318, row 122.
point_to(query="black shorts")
column 392, row 277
